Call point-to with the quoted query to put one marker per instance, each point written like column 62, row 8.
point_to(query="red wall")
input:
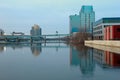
column 112, row 33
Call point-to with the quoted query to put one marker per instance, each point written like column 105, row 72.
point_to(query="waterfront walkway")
column 112, row 46
column 111, row 43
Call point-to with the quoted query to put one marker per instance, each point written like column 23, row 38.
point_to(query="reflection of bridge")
column 18, row 46
column 31, row 39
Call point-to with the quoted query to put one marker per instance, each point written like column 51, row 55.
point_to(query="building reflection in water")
column 107, row 59
column 36, row 49
column 82, row 56
column 2, row 48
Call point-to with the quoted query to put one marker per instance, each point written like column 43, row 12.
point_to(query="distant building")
column 17, row 33
column 87, row 19
column 100, row 25
column 36, row 30
column 84, row 21
column 74, row 23
column 1, row 32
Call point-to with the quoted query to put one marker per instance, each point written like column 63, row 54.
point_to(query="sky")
column 50, row 15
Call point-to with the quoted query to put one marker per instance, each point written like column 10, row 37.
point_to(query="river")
column 57, row 61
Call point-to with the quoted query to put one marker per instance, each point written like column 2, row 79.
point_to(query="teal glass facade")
column 74, row 23
column 87, row 19
column 84, row 21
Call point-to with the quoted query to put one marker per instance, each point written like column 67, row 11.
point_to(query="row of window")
column 98, row 37
column 97, row 28
column 98, row 32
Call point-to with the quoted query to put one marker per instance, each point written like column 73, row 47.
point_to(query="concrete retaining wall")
column 104, row 43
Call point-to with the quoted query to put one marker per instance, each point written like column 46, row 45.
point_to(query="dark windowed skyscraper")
column 87, row 18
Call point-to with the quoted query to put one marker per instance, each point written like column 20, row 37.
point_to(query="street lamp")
column 56, row 32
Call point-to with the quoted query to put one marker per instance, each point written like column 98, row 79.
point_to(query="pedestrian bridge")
column 29, row 38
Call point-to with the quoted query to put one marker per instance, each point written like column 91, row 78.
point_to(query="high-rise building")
column 74, row 23
column 36, row 30
column 87, row 19
column 84, row 21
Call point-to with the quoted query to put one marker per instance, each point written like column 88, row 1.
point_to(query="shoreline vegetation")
column 79, row 38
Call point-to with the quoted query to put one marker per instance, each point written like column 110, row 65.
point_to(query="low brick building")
column 112, row 32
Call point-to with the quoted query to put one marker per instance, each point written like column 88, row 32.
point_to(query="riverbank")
column 103, row 43
column 105, row 48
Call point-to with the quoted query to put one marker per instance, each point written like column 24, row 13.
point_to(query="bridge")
column 32, row 39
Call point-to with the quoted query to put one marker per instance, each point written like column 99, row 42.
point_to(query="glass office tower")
column 74, row 23
column 87, row 19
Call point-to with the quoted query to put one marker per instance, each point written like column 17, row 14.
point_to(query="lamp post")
column 56, row 32
column 58, row 35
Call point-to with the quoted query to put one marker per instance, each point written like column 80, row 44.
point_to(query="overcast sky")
column 51, row 15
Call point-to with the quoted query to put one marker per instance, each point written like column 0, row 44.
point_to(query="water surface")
column 57, row 62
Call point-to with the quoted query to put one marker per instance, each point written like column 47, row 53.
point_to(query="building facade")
column 74, row 23
column 100, row 25
column 84, row 21
column 112, row 32
column 87, row 19
column 36, row 30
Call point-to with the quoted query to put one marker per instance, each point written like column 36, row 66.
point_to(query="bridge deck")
column 18, row 38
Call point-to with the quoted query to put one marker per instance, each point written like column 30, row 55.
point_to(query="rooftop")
column 87, row 8
column 108, row 20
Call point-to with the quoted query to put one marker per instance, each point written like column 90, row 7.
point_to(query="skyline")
column 50, row 15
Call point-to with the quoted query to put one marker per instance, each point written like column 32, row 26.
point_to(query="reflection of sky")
column 51, row 15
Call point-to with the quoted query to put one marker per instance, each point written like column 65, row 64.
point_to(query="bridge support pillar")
column 45, row 39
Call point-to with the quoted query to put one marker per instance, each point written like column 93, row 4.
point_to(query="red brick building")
column 112, row 32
